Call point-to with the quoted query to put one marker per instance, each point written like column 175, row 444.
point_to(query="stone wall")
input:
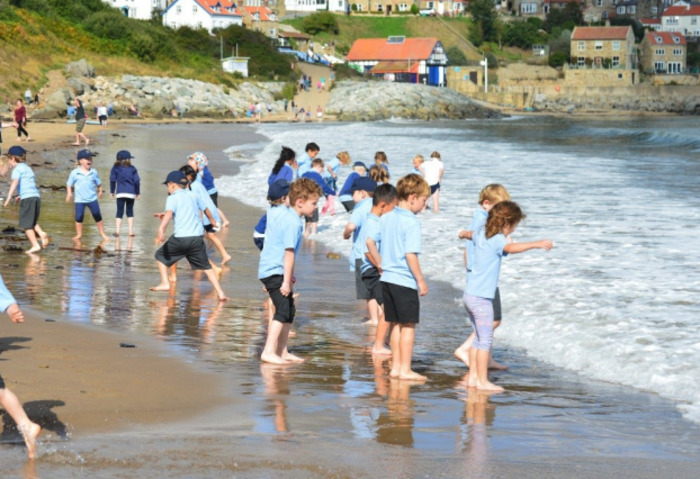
column 599, row 77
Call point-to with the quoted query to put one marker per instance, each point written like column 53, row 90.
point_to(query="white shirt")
column 432, row 170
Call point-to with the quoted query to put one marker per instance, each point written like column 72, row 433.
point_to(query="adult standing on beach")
column 80, row 119
column 21, row 120
column 28, row 96
column 433, row 175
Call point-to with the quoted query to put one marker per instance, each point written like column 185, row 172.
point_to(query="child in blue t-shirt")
column 84, row 183
column 402, row 278
column 359, row 170
column 276, row 268
column 315, row 174
column 23, row 182
column 490, row 244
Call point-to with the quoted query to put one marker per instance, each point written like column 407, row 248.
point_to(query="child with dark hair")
column 284, row 167
column 125, row 186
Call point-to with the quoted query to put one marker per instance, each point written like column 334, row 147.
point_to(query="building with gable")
column 260, row 19
column 682, row 17
column 139, row 9
column 401, row 59
column 207, row 14
column 663, row 52
column 598, row 46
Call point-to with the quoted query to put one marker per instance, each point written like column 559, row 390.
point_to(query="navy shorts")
column 497, row 313
column 29, row 209
column 360, row 288
column 284, row 305
column 401, row 304
column 190, row 247
column 374, row 287
column 434, row 188
column 94, row 208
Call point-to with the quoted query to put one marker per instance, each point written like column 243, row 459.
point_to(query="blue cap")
column 124, row 155
column 177, row 177
column 83, row 154
column 364, row 183
column 16, row 151
column 277, row 190
column 359, row 163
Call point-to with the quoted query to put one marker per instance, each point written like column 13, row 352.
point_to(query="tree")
column 320, row 22
column 456, row 57
column 567, row 17
column 415, row 10
column 558, row 59
column 485, row 19
column 522, row 35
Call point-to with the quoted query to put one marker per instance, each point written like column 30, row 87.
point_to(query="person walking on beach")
column 125, row 186
column 21, row 120
column 490, row 243
column 314, row 174
column 433, row 175
column 85, row 184
column 80, row 120
column 22, row 181
column 187, row 241
column 8, row 400
column 276, row 268
column 28, row 96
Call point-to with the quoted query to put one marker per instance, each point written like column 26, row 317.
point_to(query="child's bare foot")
column 77, row 237
column 472, row 381
column 383, row 351
column 34, row 249
column 161, row 287
column 217, row 271
column 29, row 432
column 292, row 358
column 75, row 144
column 412, row 376
column 394, row 374
column 87, row 142
column 489, row 387
column 225, row 259
column 225, row 224
column 131, row 233
column 462, row 356
column 272, row 358
column 496, row 365
column 105, row 238
column 45, row 240
column 223, row 298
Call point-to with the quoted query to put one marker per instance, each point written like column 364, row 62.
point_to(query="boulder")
column 81, row 68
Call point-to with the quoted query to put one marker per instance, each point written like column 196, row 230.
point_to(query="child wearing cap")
column 276, row 267
column 8, row 400
column 125, row 186
column 402, row 279
column 85, row 184
column 362, row 192
column 359, row 169
column 22, row 181
column 314, row 174
column 187, row 240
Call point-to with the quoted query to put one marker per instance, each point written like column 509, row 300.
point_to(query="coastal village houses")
column 401, row 59
column 207, row 14
column 598, row 47
column 260, row 19
column 139, row 9
column 663, row 52
column 339, row 6
column 682, row 17
column 451, row 8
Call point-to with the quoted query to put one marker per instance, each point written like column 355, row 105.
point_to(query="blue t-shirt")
column 208, row 180
column 303, row 164
column 346, row 190
column 284, row 231
column 369, row 230
column 27, row 185
column 485, row 264
column 358, row 217
column 335, row 166
column 84, row 185
column 185, row 206
column 478, row 221
column 401, row 234
column 203, row 196
column 285, row 173
column 6, row 298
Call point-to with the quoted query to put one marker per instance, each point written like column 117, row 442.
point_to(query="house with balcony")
column 207, row 14
column 598, row 47
column 139, row 9
column 682, row 17
column 663, row 53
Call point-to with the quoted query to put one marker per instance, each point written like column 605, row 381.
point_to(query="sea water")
column 616, row 299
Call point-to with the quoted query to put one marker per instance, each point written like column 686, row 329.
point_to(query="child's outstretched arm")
column 465, row 234
column 514, row 248
column 13, row 187
column 164, row 221
column 414, row 266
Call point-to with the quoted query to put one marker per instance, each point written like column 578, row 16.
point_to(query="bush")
column 456, row 57
column 414, row 9
column 144, row 48
column 320, row 22
column 523, row 35
column 111, row 25
column 558, row 59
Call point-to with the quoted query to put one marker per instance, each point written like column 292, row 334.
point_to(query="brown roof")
column 396, row 66
column 600, row 33
column 380, row 49
column 300, row 35
column 665, row 38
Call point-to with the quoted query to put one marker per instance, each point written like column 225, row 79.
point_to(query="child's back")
column 400, row 232
column 284, row 231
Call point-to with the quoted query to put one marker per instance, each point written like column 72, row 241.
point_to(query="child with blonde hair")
column 418, row 161
column 379, row 175
column 380, row 159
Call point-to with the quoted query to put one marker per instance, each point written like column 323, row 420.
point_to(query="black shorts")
column 190, row 247
column 401, row 304
column 313, row 218
column 497, row 313
column 349, row 205
column 434, row 188
column 371, row 280
column 284, row 305
column 360, row 287
column 29, row 209
column 209, row 228
column 215, row 199
column 259, row 242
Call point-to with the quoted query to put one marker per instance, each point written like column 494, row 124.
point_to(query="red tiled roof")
column 681, row 11
column 651, row 21
column 210, row 6
column 665, row 38
column 263, row 12
column 379, row 49
column 600, row 33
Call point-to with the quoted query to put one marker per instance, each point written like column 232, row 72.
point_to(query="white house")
column 341, row 6
column 683, row 18
column 139, row 9
column 207, row 14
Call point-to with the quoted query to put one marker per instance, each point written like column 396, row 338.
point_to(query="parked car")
column 427, row 12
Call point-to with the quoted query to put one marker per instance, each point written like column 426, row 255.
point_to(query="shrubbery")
column 456, row 57
column 558, row 59
column 320, row 22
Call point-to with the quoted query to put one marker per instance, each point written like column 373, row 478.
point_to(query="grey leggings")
column 480, row 312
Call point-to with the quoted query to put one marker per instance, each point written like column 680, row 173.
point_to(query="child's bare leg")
column 462, row 352
column 380, row 337
column 164, row 283
column 373, row 309
column 492, row 363
column 214, row 280
column 225, row 257
column 473, row 376
column 224, row 221
column 482, row 369
column 78, row 231
column 172, row 273
column 394, row 341
column 27, row 428
column 407, row 338
column 130, row 222
column 436, row 201
column 269, row 354
column 282, row 346
column 31, row 236
column 101, row 230
column 118, row 226
column 44, row 237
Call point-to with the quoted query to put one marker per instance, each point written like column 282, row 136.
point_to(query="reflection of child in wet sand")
column 8, row 400
column 29, row 200
column 282, row 239
column 187, row 240
column 490, row 244
column 85, row 183
column 402, row 279
column 383, row 202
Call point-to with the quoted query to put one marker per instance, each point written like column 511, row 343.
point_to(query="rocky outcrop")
column 364, row 101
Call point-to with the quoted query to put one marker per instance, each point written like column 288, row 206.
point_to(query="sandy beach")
column 192, row 398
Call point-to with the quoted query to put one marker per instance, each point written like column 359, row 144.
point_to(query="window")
column 605, row 15
column 671, row 20
column 621, row 10
column 194, row 9
column 581, row 61
column 631, row 9
column 678, row 51
column 614, row 2
column 616, row 45
column 693, row 20
column 659, row 67
column 616, row 61
column 660, row 51
column 380, row 7
column 598, row 45
column 179, row 9
column 675, row 67
column 581, row 46
column 528, row 8
column 599, row 3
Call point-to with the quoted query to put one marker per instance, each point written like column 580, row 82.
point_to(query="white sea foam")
column 614, row 300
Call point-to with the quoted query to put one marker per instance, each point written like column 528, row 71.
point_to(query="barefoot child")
column 207, row 180
column 125, row 185
column 490, row 244
column 489, row 196
column 402, row 278
column 85, row 183
column 276, row 269
column 383, row 202
column 8, row 400
column 315, row 174
column 187, row 241
column 29, row 199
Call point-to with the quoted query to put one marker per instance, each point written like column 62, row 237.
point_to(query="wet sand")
column 338, row 415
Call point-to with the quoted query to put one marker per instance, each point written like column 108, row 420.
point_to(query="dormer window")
column 676, row 39
column 658, row 39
